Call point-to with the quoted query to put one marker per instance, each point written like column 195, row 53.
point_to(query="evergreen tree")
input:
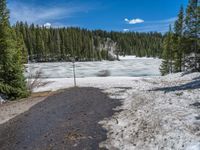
column 192, row 33
column 12, row 82
column 182, row 48
column 179, row 23
column 178, row 42
column 57, row 44
column 167, row 63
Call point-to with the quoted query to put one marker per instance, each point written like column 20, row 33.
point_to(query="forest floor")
column 157, row 113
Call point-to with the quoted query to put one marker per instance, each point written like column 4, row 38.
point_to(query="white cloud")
column 164, row 21
column 125, row 30
column 32, row 13
column 47, row 25
column 126, row 20
column 156, row 25
column 133, row 21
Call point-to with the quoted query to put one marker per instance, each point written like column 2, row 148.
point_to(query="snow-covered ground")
column 131, row 57
column 129, row 66
column 157, row 112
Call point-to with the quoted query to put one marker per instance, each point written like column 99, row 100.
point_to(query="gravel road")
column 64, row 121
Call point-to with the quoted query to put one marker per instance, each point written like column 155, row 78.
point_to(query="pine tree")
column 12, row 82
column 21, row 45
column 58, row 44
column 178, row 42
column 167, row 56
column 192, row 29
column 182, row 48
column 39, row 45
column 179, row 24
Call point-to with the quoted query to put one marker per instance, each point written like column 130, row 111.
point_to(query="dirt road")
column 65, row 121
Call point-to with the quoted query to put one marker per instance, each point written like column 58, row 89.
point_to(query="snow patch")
column 131, row 57
column 2, row 100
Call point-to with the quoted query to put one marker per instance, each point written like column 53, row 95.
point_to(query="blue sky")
column 117, row 15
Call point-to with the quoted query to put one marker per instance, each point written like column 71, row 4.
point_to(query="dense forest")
column 181, row 46
column 43, row 44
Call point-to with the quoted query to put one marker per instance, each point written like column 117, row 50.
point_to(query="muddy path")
column 65, row 121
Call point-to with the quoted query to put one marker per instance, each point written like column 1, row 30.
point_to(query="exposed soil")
column 64, row 121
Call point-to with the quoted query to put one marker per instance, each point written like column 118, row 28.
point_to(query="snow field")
column 156, row 112
column 133, row 67
column 149, row 119
column 155, row 120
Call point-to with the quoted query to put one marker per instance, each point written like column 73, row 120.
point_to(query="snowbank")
column 2, row 100
column 131, row 57
column 156, row 118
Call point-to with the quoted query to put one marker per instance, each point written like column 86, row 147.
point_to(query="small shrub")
column 34, row 80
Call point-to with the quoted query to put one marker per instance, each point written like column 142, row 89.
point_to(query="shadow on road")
column 64, row 121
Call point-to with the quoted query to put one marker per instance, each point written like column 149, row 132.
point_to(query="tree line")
column 44, row 44
column 181, row 46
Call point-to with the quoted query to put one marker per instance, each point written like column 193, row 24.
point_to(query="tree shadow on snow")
column 195, row 84
column 197, row 78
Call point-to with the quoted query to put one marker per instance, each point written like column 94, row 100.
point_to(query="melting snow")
column 134, row 67
column 158, row 113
